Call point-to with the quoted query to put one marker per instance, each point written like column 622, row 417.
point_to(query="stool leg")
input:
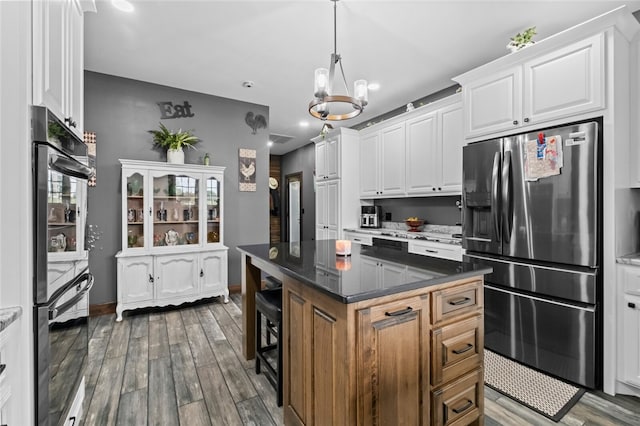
column 258, row 339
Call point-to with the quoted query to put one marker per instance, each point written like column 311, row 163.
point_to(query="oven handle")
column 55, row 311
column 68, row 166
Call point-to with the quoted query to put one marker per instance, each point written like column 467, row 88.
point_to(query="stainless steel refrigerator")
column 532, row 212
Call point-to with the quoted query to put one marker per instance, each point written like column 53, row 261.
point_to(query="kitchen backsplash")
column 433, row 210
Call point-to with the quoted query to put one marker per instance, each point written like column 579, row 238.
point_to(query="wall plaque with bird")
column 247, row 169
column 255, row 122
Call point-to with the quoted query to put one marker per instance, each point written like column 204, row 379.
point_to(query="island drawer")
column 455, row 301
column 357, row 238
column 460, row 402
column 433, row 249
column 456, row 349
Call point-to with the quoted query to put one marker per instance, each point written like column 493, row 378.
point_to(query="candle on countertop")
column 343, row 247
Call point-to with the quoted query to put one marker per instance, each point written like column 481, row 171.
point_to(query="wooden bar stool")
column 269, row 304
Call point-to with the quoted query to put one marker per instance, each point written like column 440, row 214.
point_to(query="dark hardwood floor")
column 185, row 367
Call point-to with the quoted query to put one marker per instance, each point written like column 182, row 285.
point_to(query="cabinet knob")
column 526, row 119
column 201, row 273
column 515, row 122
column 433, row 189
column 150, row 278
column 631, row 305
column 439, row 189
column 149, row 211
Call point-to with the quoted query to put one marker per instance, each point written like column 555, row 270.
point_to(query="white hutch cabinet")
column 172, row 235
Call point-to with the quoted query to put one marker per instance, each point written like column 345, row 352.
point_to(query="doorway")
column 293, row 183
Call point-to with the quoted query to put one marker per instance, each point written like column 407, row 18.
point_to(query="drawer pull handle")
column 150, row 278
column 464, row 408
column 463, row 350
column 431, row 251
column 400, row 312
column 631, row 305
column 356, row 239
column 460, row 301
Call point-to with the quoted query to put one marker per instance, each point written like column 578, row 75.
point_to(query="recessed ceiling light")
column 304, row 123
column 373, row 86
column 122, row 5
column 270, row 143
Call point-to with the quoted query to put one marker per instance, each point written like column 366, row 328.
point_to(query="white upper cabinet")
column 560, row 83
column 58, row 63
column 382, row 155
column 328, row 159
column 434, row 152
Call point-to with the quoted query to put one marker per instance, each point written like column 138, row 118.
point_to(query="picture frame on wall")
column 247, row 169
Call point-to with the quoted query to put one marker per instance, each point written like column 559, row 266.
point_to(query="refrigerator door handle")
column 495, row 201
column 55, row 311
column 507, row 208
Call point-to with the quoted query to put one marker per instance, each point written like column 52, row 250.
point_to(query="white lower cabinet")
column 384, row 274
column 327, row 214
column 629, row 325
column 172, row 279
column 357, row 238
column 433, row 249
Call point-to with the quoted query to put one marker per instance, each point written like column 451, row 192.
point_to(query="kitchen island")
column 378, row 337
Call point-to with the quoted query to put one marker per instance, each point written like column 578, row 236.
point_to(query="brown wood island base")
column 365, row 347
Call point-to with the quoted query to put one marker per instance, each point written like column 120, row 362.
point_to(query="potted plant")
column 173, row 142
column 522, row 39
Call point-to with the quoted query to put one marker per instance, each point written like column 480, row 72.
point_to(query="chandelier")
column 326, row 105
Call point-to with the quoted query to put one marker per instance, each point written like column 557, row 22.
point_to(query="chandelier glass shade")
column 327, row 105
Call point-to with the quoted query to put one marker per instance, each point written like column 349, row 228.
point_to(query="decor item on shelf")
column 58, row 242
column 325, row 104
column 414, row 224
column 173, row 142
column 206, row 159
column 255, row 122
column 171, row 237
column 212, row 237
column 90, row 141
column 325, row 129
column 522, row 39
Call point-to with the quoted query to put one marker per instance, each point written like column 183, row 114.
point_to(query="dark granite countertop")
column 359, row 276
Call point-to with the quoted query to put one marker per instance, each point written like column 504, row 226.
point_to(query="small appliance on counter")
column 370, row 216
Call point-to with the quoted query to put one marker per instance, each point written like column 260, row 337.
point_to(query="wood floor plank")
column 139, row 326
column 502, row 416
column 200, row 348
column 253, row 412
column 233, row 372
column 618, row 412
column 104, row 325
column 136, row 369
column 222, row 409
column 106, row 395
column 189, row 316
column 268, row 394
column 525, row 413
column 194, row 414
column 234, row 312
column 133, row 408
column 185, row 377
column 158, row 338
column 97, row 349
column 593, row 416
column 162, row 407
column 231, row 331
column 119, row 340
column 210, row 324
column 175, row 328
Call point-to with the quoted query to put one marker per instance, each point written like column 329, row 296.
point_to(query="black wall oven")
column 60, row 171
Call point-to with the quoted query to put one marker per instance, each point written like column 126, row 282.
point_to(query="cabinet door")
column 422, row 154
column 136, row 216
column 392, row 155
column 493, row 103
column 332, row 205
column 451, row 142
column 74, row 105
column 49, row 54
column 176, row 203
column 213, row 271
column 321, row 208
column 135, row 279
column 321, row 160
column 213, row 206
column 176, row 275
column 565, row 82
column 369, row 166
column 630, row 340
column 393, row 361
column 332, row 158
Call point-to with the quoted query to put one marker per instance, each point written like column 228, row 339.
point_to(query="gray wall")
column 302, row 160
column 121, row 111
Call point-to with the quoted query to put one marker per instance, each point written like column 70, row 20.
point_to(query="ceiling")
column 411, row 48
